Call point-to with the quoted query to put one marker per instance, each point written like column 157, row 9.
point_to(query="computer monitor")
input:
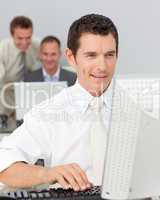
column 28, row 94
column 132, row 162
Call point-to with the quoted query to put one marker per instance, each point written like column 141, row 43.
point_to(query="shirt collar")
column 56, row 75
column 82, row 98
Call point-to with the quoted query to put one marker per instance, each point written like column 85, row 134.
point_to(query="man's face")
column 50, row 56
column 22, row 38
column 94, row 61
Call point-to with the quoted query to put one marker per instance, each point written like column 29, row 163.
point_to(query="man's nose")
column 49, row 58
column 102, row 64
column 25, row 42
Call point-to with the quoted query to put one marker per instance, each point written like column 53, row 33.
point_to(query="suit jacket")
column 37, row 76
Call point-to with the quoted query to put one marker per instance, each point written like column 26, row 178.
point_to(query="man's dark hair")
column 22, row 22
column 50, row 38
column 92, row 23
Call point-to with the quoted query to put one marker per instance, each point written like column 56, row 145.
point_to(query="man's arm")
column 22, row 175
column 3, row 63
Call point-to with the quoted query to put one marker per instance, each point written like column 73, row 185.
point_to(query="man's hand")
column 68, row 176
column 25, row 175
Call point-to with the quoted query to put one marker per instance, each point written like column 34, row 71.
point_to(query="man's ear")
column 70, row 57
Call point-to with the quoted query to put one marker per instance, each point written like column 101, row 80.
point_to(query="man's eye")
column 110, row 55
column 54, row 54
column 91, row 55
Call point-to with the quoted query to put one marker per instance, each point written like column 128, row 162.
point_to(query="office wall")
column 138, row 22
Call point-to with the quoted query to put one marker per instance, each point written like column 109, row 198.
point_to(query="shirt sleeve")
column 27, row 143
column 2, row 75
column 6, row 93
column 2, row 67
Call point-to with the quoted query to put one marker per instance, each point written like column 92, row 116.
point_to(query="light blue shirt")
column 51, row 78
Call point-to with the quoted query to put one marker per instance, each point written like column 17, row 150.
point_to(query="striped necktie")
column 22, row 65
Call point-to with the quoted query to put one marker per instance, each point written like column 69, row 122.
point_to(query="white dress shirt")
column 57, row 130
column 11, row 67
column 51, row 78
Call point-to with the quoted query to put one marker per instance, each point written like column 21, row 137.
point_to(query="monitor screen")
column 132, row 161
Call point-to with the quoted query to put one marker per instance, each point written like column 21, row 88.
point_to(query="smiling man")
column 18, row 55
column 62, row 131
column 94, row 61
column 50, row 69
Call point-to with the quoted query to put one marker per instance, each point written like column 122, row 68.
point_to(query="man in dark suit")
column 50, row 70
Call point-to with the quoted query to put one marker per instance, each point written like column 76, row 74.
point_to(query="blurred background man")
column 18, row 55
column 49, row 68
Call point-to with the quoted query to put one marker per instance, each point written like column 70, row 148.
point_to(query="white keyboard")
column 121, row 145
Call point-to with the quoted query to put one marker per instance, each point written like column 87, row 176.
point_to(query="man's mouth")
column 99, row 76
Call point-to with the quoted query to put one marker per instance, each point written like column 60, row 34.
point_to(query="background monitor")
column 28, row 94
